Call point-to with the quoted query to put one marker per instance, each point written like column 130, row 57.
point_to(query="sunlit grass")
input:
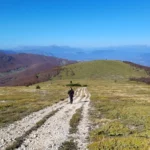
column 120, row 115
column 119, row 110
column 100, row 69
column 119, row 143
column 17, row 102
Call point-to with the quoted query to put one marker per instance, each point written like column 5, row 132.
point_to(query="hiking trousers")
column 71, row 99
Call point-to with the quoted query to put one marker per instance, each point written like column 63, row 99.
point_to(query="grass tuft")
column 74, row 122
column 68, row 145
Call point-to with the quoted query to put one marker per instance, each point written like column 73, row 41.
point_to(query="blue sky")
column 78, row 23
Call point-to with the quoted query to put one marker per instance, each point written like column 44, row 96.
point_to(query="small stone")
column 23, row 147
column 2, row 141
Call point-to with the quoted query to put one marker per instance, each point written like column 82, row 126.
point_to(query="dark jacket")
column 71, row 93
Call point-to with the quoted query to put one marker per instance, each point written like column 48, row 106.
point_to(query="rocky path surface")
column 55, row 130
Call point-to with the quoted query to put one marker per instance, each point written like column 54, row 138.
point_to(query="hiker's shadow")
column 80, row 102
column 85, row 101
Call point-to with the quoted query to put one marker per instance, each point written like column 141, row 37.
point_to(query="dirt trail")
column 56, row 128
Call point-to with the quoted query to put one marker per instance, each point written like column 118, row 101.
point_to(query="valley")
column 27, row 69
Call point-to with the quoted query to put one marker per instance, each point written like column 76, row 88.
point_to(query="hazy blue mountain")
column 137, row 53
column 7, row 51
column 57, row 51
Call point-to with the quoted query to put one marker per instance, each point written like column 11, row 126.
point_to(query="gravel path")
column 55, row 130
column 84, row 125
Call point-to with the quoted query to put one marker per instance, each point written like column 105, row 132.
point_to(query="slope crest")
column 103, row 69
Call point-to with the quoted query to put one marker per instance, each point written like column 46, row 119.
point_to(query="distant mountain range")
column 26, row 69
column 136, row 54
column 31, row 64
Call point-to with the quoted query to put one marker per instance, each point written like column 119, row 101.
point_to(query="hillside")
column 110, row 114
column 140, row 79
column 25, row 69
column 103, row 69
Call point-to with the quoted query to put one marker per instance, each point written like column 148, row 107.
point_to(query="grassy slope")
column 120, row 109
column 102, row 69
column 120, row 115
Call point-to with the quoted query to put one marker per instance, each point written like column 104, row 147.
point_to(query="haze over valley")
column 139, row 54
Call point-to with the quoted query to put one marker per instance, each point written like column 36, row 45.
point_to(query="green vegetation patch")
column 74, row 122
column 68, row 145
column 123, row 143
column 120, row 115
column 134, row 115
column 114, row 128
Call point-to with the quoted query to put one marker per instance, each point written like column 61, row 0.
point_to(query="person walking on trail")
column 71, row 93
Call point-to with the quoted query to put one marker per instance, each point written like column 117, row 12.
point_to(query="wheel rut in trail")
column 19, row 128
column 80, row 138
column 55, row 129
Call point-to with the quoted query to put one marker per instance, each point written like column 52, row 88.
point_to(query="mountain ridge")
column 101, row 69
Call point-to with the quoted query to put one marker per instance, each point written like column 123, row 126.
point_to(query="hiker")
column 71, row 93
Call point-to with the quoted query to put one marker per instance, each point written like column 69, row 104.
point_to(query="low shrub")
column 68, row 145
column 38, row 87
column 76, row 84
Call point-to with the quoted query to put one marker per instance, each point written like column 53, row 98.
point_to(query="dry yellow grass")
column 17, row 102
column 120, row 115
